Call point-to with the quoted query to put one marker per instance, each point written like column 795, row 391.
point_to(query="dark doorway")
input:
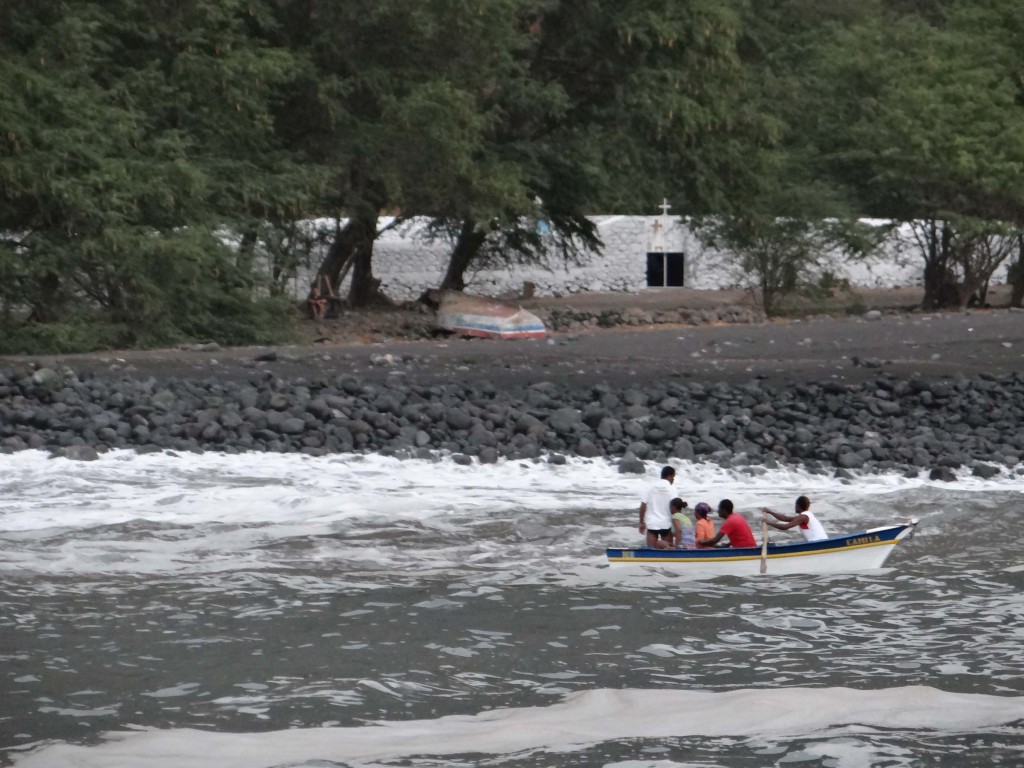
column 665, row 269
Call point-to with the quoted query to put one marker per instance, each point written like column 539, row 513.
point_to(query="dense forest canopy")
column 156, row 158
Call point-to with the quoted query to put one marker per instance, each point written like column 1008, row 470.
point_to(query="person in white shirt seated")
column 804, row 519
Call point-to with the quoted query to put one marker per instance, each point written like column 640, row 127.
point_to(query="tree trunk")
column 338, row 257
column 768, row 284
column 1015, row 276
column 353, row 249
column 933, row 269
column 940, row 288
column 46, row 308
column 967, row 290
column 364, row 290
column 467, row 247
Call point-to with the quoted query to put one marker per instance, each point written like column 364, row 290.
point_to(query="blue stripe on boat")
column 493, row 326
column 873, row 538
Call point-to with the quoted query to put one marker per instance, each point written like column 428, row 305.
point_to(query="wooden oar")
column 764, row 547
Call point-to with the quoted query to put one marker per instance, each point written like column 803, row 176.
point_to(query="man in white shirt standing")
column 804, row 519
column 655, row 514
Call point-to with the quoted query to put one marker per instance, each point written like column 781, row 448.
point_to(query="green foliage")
column 194, row 288
column 939, row 135
column 785, row 240
column 131, row 133
column 652, row 89
column 76, row 333
column 777, row 256
column 602, row 106
column 137, row 138
column 907, row 111
column 856, row 305
column 275, row 252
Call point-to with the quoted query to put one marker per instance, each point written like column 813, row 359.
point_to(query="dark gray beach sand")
column 877, row 391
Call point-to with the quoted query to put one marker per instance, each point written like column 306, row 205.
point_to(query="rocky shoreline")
column 885, row 423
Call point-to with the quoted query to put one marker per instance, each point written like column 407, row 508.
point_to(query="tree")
column 132, row 134
column 969, row 252
column 924, row 125
column 991, row 251
column 784, row 245
column 938, row 244
column 614, row 106
column 782, row 219
column 388, row 107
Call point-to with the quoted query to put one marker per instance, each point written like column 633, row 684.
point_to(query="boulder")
column 77, row 453
column 292, row 426
column 850, row 460
column 565, row 421
column 942, row 474
column 631, row 465
column 683, row 449
column 48, row 379
column 985, row 471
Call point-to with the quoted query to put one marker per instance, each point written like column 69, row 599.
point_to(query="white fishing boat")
column 863, row 551
column 489, row 318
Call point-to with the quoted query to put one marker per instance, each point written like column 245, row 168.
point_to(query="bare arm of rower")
column 788, row 521
column 711, row 542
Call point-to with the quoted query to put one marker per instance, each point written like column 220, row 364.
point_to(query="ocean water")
column 266, row 610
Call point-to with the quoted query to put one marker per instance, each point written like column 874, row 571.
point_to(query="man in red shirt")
column 733, row 526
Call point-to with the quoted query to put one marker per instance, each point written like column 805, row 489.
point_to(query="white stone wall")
column 408, row 261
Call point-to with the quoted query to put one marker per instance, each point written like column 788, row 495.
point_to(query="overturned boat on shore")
column 863, row 551
column 488, row 318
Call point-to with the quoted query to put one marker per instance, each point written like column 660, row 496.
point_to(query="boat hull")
column 863, row 551
column 487, row 318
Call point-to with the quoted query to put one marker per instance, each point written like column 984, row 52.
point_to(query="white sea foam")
column 831, row 719
column 211, row 513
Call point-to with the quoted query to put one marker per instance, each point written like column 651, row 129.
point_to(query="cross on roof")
column 664, row 206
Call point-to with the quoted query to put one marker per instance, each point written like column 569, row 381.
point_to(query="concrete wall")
column 408, row 261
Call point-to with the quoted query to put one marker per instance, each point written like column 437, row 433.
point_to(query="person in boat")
column 804, row 519
column 733, row 526
column 682, row 525
column 655, row 511
column 705, row 528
